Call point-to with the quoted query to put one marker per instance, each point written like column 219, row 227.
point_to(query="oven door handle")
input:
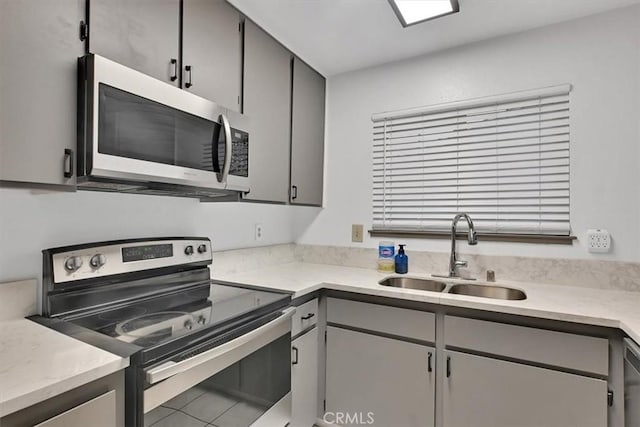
column 169, row 369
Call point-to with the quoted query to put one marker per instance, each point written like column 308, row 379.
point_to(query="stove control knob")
column 72, row 264
column 188, row 325
column 202, row 249
column 188, row 250
column 98, row 260
column 202, row 320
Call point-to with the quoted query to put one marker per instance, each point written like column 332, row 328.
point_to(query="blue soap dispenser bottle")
column 402, row 261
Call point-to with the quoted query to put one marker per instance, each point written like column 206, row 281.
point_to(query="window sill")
column 492, row 237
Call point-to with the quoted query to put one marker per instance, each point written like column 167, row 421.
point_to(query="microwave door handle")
column 169, row 369
column 229, row 147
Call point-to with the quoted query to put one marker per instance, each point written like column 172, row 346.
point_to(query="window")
column 504, row 160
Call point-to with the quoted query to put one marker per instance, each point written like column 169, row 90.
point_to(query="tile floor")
column 200, row 407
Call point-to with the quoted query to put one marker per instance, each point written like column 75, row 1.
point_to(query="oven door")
column 136, row 128
column 234, row 383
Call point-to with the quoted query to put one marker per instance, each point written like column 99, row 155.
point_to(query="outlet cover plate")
column 598, row 241
column 258, row 232
column 357, row 231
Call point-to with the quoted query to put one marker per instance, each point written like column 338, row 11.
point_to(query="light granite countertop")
column 36, row 362
column 609, row 308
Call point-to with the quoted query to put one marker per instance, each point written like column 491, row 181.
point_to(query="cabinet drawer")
column 566, row 350
column 101, row 411
column 402, row 322
column 306, row 315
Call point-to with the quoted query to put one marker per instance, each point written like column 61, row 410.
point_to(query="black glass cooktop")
column 153, row 321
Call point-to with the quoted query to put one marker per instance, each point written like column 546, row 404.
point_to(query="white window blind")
column 504, row 160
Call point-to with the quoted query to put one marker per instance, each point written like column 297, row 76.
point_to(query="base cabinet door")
column 378, row 381
column 304, row 379
column 484, row 392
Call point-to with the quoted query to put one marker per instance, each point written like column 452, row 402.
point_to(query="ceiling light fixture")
column 412, row 12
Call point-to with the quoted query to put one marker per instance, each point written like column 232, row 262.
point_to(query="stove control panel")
column 101, row 261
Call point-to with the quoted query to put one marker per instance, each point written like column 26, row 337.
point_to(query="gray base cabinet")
column 212, row 51
column 141, row 34
column 97, row 404
column 39, row 47
column 307, row 135
column 267, row 102
column 485, row 392
column 304, row 379
column 99, row 412
column 378, row 381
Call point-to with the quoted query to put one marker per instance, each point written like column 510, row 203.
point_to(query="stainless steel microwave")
column 139, row 134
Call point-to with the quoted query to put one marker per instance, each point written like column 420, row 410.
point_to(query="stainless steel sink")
column 487, row 291
column 414, row 283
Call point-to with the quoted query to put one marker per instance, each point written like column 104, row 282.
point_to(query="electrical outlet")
column 598, row 241
column 357, row 233
column 258, row 232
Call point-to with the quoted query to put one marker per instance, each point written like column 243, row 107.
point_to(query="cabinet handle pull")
column 174, row 64
column 308, row 316
column 295, row 353
column 294, row 192
column 448, row 366
column 189, row 82
column 68, row 162
column 429, row 367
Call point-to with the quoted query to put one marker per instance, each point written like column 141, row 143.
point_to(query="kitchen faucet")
column 454, row 262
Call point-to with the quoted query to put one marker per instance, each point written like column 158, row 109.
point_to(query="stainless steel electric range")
column 202, row 353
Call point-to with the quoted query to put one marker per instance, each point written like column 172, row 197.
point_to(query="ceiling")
column 335, row 36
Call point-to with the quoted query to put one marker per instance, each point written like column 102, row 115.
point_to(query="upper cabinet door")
column 212, row 51
column 141, row 34
column 39, row 47
column 267, row 102
column 307, row 135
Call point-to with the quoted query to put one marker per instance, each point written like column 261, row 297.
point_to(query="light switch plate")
column 357, row 233
column 598, row 241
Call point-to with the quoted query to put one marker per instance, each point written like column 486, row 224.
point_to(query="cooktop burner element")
column 149, row 325
column 117, row 315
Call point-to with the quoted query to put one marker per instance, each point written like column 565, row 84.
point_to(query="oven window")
column 136, row 128
column 236, row 396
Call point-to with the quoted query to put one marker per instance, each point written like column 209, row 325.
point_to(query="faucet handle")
column 491, row 276
column 460, row 263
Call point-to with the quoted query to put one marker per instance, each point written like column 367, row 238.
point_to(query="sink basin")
column 414, row 283
column 487, row 291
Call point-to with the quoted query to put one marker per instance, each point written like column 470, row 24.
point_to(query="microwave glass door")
column 236, row 396
column 137, row 128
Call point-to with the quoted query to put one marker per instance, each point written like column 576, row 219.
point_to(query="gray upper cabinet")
column 267, row 102
column 307, row 135
column 39, row 47
column 141, row 34
column 212, row 51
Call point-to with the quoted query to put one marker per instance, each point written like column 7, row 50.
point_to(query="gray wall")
column 32, row 221
column 599, row 55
